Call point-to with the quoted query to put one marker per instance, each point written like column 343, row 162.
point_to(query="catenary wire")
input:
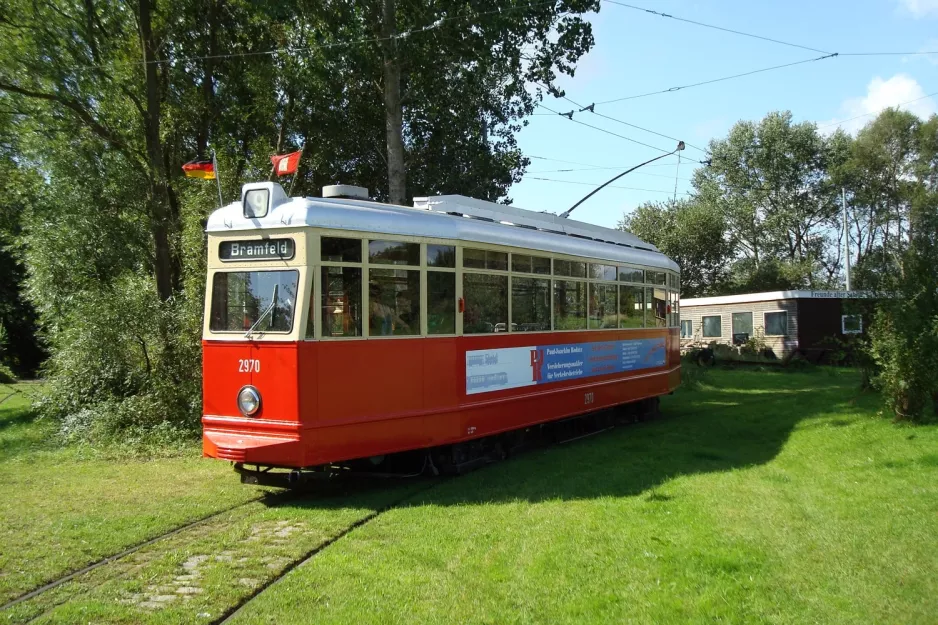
column 608, row 132
column 728, row 30
column 612, row 186
column 843, row 121
column 714, row 80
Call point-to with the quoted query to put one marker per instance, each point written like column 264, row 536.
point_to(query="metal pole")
column 677, row 172
column 297, row 172
column 843, row 197
column 566, row 213
column 221, row 202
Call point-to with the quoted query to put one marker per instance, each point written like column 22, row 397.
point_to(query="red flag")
column 285, row 164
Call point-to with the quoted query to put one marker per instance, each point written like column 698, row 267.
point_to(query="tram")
column 340, row 329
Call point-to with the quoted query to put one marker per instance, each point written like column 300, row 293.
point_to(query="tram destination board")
column 267, row 249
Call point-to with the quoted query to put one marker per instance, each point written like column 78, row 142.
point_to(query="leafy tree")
column 691, row 233
column 770, row 180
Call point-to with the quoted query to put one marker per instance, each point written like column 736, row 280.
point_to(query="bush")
column 123, row 364
column 6, row 374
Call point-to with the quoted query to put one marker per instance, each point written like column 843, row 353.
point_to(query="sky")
column 636, row 52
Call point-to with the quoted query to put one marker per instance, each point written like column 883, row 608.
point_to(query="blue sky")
column 636, row 53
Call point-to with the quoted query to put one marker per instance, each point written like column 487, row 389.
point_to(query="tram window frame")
column 566, row 268
column 358, row 322
column 541, row 286
column 640, row 317
column 603, row 272
column 480, row 277
column 598, row 292
column 530, row 264
column 214, row 300
column 491, row 260
column 582, row 304
column 411, row 250
column 628, row 273
column 381, row 314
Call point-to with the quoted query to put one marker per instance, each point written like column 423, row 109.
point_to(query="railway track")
column 32, row 594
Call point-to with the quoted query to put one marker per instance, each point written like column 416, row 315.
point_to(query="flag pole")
column 221, row 202
column 297, row 172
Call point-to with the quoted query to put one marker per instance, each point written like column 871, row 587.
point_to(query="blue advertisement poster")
column 513, row 367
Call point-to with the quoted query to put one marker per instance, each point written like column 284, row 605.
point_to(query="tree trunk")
column 394, row 111
column 159, row 194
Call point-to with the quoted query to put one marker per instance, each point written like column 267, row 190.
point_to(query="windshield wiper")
column 273, row 302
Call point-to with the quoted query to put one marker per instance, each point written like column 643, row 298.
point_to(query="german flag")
column 199, row 169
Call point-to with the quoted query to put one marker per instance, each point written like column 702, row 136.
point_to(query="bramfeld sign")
column 269, row 249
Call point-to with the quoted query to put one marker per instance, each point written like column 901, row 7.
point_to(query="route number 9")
column 249, row 365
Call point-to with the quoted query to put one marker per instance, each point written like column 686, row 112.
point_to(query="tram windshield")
column 241, row 298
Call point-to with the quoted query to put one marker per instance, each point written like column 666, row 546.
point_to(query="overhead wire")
column 612, row 186
column 728, row 30
column 842, row 121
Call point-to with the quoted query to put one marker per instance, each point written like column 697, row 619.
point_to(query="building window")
column 687, row 329
column 851, row 324
column 712, row 327
column 742, row 327
column 776, row 323
column 530, row 304
column 486, row 303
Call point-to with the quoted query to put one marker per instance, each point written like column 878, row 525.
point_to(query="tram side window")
column 631, row 274
column 570, row 268
column 603, row 272
column 486, row 303
column 393, row 253
column 660, row 308
column 484, row 259
column 341, row 250
column 569, row 305
column 441, row 302
column 441, row 256
column 530, row 304
column 341, row 301
column 530, row 264
column 603, row 305
column 393, row 302
column 631, row 307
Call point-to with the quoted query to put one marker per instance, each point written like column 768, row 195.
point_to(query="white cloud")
column 901, row 90
column 920, row 8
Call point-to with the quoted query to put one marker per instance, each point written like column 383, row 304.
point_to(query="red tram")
column 340, row 328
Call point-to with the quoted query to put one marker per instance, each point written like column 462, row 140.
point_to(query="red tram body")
column 324, row 399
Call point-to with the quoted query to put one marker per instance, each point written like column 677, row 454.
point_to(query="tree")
column 692, row 234
column 770, row 181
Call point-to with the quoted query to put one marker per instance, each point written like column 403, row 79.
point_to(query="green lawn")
column 759, row 497
column 762, row 497
column 63, row 508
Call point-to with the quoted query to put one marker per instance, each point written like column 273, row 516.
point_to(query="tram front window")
column 240, row 298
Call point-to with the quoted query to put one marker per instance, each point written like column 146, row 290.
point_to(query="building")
column 787, row 321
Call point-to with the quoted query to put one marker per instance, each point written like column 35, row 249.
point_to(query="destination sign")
column 269, row 249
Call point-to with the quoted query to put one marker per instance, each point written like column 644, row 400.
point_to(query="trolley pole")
column 843, row 198
column 221, row 202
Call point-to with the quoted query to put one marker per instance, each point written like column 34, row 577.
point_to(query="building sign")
column 840, row 294
column 269, row 249
column 513, row 367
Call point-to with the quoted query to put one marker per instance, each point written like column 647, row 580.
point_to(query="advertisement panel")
column 490, row 370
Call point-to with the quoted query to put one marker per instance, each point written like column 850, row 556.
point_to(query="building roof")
column 745, row 298
column 445, row 217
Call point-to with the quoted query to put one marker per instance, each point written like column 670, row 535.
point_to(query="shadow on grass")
column 742, row 421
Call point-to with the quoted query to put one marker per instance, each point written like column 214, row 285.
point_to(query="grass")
column 762, row 497
column 61, row 509
column 771, row 497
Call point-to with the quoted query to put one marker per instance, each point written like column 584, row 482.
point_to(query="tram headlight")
column 249, row 401
column 256, row 203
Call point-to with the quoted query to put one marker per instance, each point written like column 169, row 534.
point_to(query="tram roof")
column 443, row 217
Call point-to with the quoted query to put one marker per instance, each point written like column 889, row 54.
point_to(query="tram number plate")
column 588, row 398
column 249, row 365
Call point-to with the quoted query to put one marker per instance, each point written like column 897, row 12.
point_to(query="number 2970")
column 249, row 365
